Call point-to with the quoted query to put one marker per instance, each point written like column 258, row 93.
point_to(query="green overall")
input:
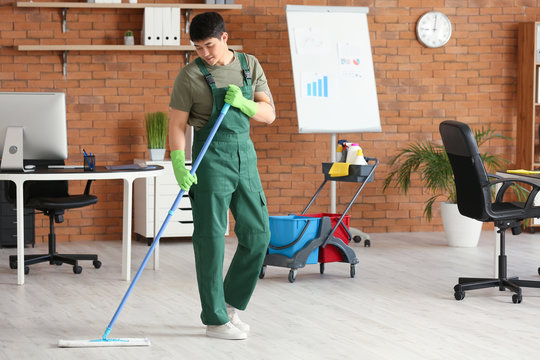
column 227, row 178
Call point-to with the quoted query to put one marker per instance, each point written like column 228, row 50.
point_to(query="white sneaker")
column 226, row 331
column 235, row 319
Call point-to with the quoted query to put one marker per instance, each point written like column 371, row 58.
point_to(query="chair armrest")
column 87, row 188
column 507, row 182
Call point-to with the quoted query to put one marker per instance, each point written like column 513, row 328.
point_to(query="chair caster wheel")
column 263, row 271
column 321, row 268
column 292, row 276
column 516, row 299
column 97, row 264
column 58, row 263
column 459, row 295
column 367, row 243
column 26, row 270
column 77, row 269
column 353, row 270
column 12, row 265
column 357, row 239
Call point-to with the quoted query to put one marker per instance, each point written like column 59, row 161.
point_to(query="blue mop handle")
column 175, row 205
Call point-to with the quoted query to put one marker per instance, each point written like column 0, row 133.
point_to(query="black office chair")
column 474, row 200
column 52, row 198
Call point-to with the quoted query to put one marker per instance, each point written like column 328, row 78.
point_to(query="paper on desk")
column 125, row 167
column 523, row 172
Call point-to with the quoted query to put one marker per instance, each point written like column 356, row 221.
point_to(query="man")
column 227, row 177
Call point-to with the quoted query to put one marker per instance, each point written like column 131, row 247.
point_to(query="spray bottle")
column 360, row 160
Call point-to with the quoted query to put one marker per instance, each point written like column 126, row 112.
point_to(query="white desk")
column 531, row 179
column 101, row 173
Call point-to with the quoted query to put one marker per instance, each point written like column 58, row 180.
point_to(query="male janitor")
column 227, row 177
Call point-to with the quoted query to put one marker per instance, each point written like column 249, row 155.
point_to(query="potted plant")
column 156, row 132
column 430, row 161
column 128, row 38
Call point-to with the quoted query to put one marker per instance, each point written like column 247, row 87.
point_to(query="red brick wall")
column 472, row 79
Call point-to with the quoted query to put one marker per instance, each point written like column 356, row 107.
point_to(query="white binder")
column 158, row 25
column 175, row 26
column 167, row 26
column 148, row 32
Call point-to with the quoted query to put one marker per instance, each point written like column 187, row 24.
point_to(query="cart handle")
column 294, row 242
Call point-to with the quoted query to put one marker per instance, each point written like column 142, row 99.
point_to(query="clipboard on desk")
column 528, row 173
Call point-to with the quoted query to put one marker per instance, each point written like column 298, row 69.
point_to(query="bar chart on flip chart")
column 316, row 86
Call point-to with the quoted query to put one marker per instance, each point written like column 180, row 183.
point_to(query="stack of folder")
column 161, row 26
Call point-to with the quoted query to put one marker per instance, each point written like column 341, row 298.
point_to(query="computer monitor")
column 32, row 127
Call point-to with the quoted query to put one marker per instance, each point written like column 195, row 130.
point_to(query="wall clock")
column 433, row 29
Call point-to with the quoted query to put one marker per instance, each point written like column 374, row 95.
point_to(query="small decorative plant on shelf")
column 429, row 160
column 156, row 132
column 128, row 38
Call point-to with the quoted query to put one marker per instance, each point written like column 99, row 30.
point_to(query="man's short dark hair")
column 206, row 25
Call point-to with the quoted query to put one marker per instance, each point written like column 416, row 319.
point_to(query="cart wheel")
column 292, row 276
column 321, row 268
column 263, row 270
column 357, row 239
column 516, row 298
column 353, row 270
column 367, row 243
column 459, row 295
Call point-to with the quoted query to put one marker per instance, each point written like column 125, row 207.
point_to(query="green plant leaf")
column 156, row 129
column 429, row 161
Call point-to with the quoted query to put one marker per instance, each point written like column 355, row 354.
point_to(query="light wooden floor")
column 399, row 306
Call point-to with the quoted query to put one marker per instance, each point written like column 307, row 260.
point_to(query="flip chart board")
column 334, row 80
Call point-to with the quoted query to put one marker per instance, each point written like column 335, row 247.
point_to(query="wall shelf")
column 86, row 5
column 67, row 5
column 66, row 48
column 112, row 47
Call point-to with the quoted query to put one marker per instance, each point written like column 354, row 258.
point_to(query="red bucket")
column 330, row 253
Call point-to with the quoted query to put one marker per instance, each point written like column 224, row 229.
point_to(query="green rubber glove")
column 235, row 98
column 183, row 177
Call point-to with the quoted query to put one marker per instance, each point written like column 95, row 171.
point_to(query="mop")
column 105, row 341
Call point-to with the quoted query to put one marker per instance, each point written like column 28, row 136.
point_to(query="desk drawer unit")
column 8, row 222
column 181, row 223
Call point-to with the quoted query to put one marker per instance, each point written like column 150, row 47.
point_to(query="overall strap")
column 245, row 69
column 207, row 76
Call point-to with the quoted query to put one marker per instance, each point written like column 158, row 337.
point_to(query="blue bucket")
column 284, row 230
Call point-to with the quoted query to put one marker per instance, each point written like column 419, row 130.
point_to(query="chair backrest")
column 470, row 176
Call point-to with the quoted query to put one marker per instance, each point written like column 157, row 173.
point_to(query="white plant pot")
column 157, row 154
column 460, row 231
column 129, row 40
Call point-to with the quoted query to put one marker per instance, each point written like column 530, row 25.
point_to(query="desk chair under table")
column 52, row 198
column 473, row 188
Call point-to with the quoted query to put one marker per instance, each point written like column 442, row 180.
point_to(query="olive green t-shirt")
column 192, row 94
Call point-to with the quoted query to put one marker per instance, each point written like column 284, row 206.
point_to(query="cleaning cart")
column 297, row 240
